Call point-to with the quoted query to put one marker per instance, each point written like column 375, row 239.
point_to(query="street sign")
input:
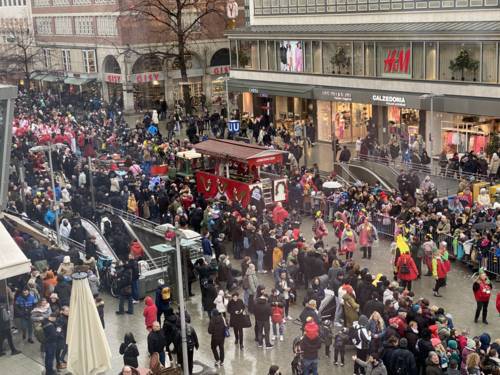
column 233, row 126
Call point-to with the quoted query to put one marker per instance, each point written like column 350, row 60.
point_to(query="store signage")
column 146, row 77
column 398, row 101
column 113, row 78
column 339, row 96
column 217, row 70
column 253, row 90
column 397, row 61
column 233, row 126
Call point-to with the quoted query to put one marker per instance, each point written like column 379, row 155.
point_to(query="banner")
column 215, row 187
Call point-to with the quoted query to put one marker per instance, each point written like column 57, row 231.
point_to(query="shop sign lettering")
column 217, row 70
column 146, row 77
column 254, row 90
column 399, row 101
column 397, row 61
column 113, row 78
column 337, row 95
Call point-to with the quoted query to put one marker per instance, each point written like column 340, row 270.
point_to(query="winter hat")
column 54, row 295
column 471, row 344
column 363, row 321
column 452, row 344
column 415, row 308
column 403, row 343
column 485, row 340
column 66, row 259
column 435, row 342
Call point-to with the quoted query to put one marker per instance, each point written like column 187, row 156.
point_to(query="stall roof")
column 13, row 262
column 239, row 151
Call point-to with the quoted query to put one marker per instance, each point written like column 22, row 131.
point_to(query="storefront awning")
column 271, row 88
column 49, row 78
column 78, row 81
column 253, row 155
column 13, row 262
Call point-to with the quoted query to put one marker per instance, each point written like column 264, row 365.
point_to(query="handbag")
column 245, row 321
column 227, row 332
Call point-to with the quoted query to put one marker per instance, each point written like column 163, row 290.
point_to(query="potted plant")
column 341, row 61
column 453, row 68
column 474, row 67
column 463, row 62
column 243, row 58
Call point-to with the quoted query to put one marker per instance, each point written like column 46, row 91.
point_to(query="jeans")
column 130, row 304
column 481, row 306
column 237, row 249
column 135, row 290
column 246, row 296
column 26, row 325
column 311, row 366
column 61, row 350
column 278, row 327
column 218, row 354
column 263, row 328
column 260, row 260
column 50, row 353
column 339, row 352
column 338, row 310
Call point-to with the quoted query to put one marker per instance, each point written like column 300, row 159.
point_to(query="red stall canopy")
column 253, row 155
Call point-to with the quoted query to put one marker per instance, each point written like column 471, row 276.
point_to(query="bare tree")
column 20, row 55
column 180, row 24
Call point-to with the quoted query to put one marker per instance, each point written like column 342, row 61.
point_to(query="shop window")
column 308, row 56
column 418, row 60
column 316, row 56
column 271, row 55
column 291, row 56
column 89, row 61
column 66, row 59
column 369, row 59
column 247, row 54
column 337, row 58
column 430, row 61
column 358, row 59
column 232, row 46
column 489, row 68
column 394, row 60
column 459, row 61
column 263, row 55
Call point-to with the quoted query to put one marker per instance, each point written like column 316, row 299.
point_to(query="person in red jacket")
column 279, row 214
column 150, row 311
column 406, row 270
column 136, row 250
column 482, row 293
column 498, row 303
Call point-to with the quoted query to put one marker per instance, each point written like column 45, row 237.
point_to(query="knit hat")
column 403, row 343
column 66, row 259
column 452, row 344
column 435, row 342
column 415, row 308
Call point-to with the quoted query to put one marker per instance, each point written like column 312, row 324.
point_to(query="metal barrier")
column 387, row 226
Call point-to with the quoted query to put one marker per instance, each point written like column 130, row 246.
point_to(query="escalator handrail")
column 102, row 237
column 382, row 182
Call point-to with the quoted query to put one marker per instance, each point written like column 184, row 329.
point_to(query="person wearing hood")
column 310, row 311
column 485, row 341
column 63, row 290
column 372, row 366
column 221, row 302
column 162, row 300
column 494, row 164
column 250, row 283
column 208, row 296
column 150, row 313
column 216, row 329
column 91, row 247
column 403, row 361
column 65, row 228
column 263, row 312
column 361, row 341
column 128, row 349
column 66, row 268
column 49, row 284
column 483, row 199
column 192, row 344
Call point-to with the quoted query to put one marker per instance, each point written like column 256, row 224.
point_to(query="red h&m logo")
column 397, row 61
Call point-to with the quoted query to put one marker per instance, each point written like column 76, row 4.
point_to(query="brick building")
column 86, row 47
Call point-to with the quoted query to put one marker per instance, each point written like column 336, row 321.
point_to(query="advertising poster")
column 280, row 190
column 291, row 56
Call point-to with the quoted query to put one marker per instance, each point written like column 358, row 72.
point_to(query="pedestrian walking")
column 482, row 293
column 237, row 313
column 217, row 329
column 129, row 351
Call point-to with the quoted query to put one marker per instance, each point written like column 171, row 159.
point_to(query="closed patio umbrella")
column 88, row 348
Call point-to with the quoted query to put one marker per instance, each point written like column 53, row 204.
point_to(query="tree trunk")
column 184, row 77
column 27, row 74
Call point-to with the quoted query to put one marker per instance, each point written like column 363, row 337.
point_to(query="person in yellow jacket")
column 277, row 256
column 440, row 267
column 132, row 204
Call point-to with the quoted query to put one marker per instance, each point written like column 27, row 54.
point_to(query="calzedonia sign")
column 398, row 101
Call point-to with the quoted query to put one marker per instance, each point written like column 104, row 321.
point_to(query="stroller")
column 326, row 309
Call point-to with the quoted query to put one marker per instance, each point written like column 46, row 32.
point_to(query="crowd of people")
column 391, row 329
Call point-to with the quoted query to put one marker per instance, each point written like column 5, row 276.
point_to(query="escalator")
column 354, row 173
column 101, row 242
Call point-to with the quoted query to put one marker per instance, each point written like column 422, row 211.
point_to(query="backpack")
column 165, row 293
column 354, row 335
column 38, row 331
column 311, row 330
column 277, row 314
column 404, row 269
column 400, row 366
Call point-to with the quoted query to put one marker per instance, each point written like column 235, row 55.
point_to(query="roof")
column 408, row 27
column 13, row 262
column 234, row 150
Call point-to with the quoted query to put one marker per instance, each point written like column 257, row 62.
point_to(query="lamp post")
column 48, row 149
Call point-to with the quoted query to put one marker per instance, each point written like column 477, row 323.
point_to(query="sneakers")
column 119, row 312
column 336, row 363
column 14, row 352
column 259, row 345
column 269, row 346
column 216, row 364
column 135, row 302
column 289, row 317
column 341, row 365
column 281, row 338
column 273, row 338
column 221, row 364
column 436, row 294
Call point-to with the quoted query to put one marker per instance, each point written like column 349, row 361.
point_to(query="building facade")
column 90, row 46
column 415, row 67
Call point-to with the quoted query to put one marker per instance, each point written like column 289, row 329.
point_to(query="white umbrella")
column 88, row 348
column 332, row 185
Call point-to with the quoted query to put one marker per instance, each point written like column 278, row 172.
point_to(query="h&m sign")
column 397, row 62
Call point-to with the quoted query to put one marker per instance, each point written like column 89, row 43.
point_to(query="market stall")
column 234, row 172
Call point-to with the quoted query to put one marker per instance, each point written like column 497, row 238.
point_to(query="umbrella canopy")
column 332, row 185
column 88, row 348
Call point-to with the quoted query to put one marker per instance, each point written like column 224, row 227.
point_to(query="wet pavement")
column 457, row 299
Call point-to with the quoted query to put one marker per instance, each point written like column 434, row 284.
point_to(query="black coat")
column 262, row 310
column 156, row 342
column 63, row 290
column 236, row 309
column 402, row 359
column 216, row 328
column 209, row 293
column 130, row 354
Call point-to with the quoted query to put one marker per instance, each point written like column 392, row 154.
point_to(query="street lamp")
column 186, row 235
column 49, row 149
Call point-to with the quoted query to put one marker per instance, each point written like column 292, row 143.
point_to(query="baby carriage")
column 327, row 307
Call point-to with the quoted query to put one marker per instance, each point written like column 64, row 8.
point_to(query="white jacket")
column 221, row 302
